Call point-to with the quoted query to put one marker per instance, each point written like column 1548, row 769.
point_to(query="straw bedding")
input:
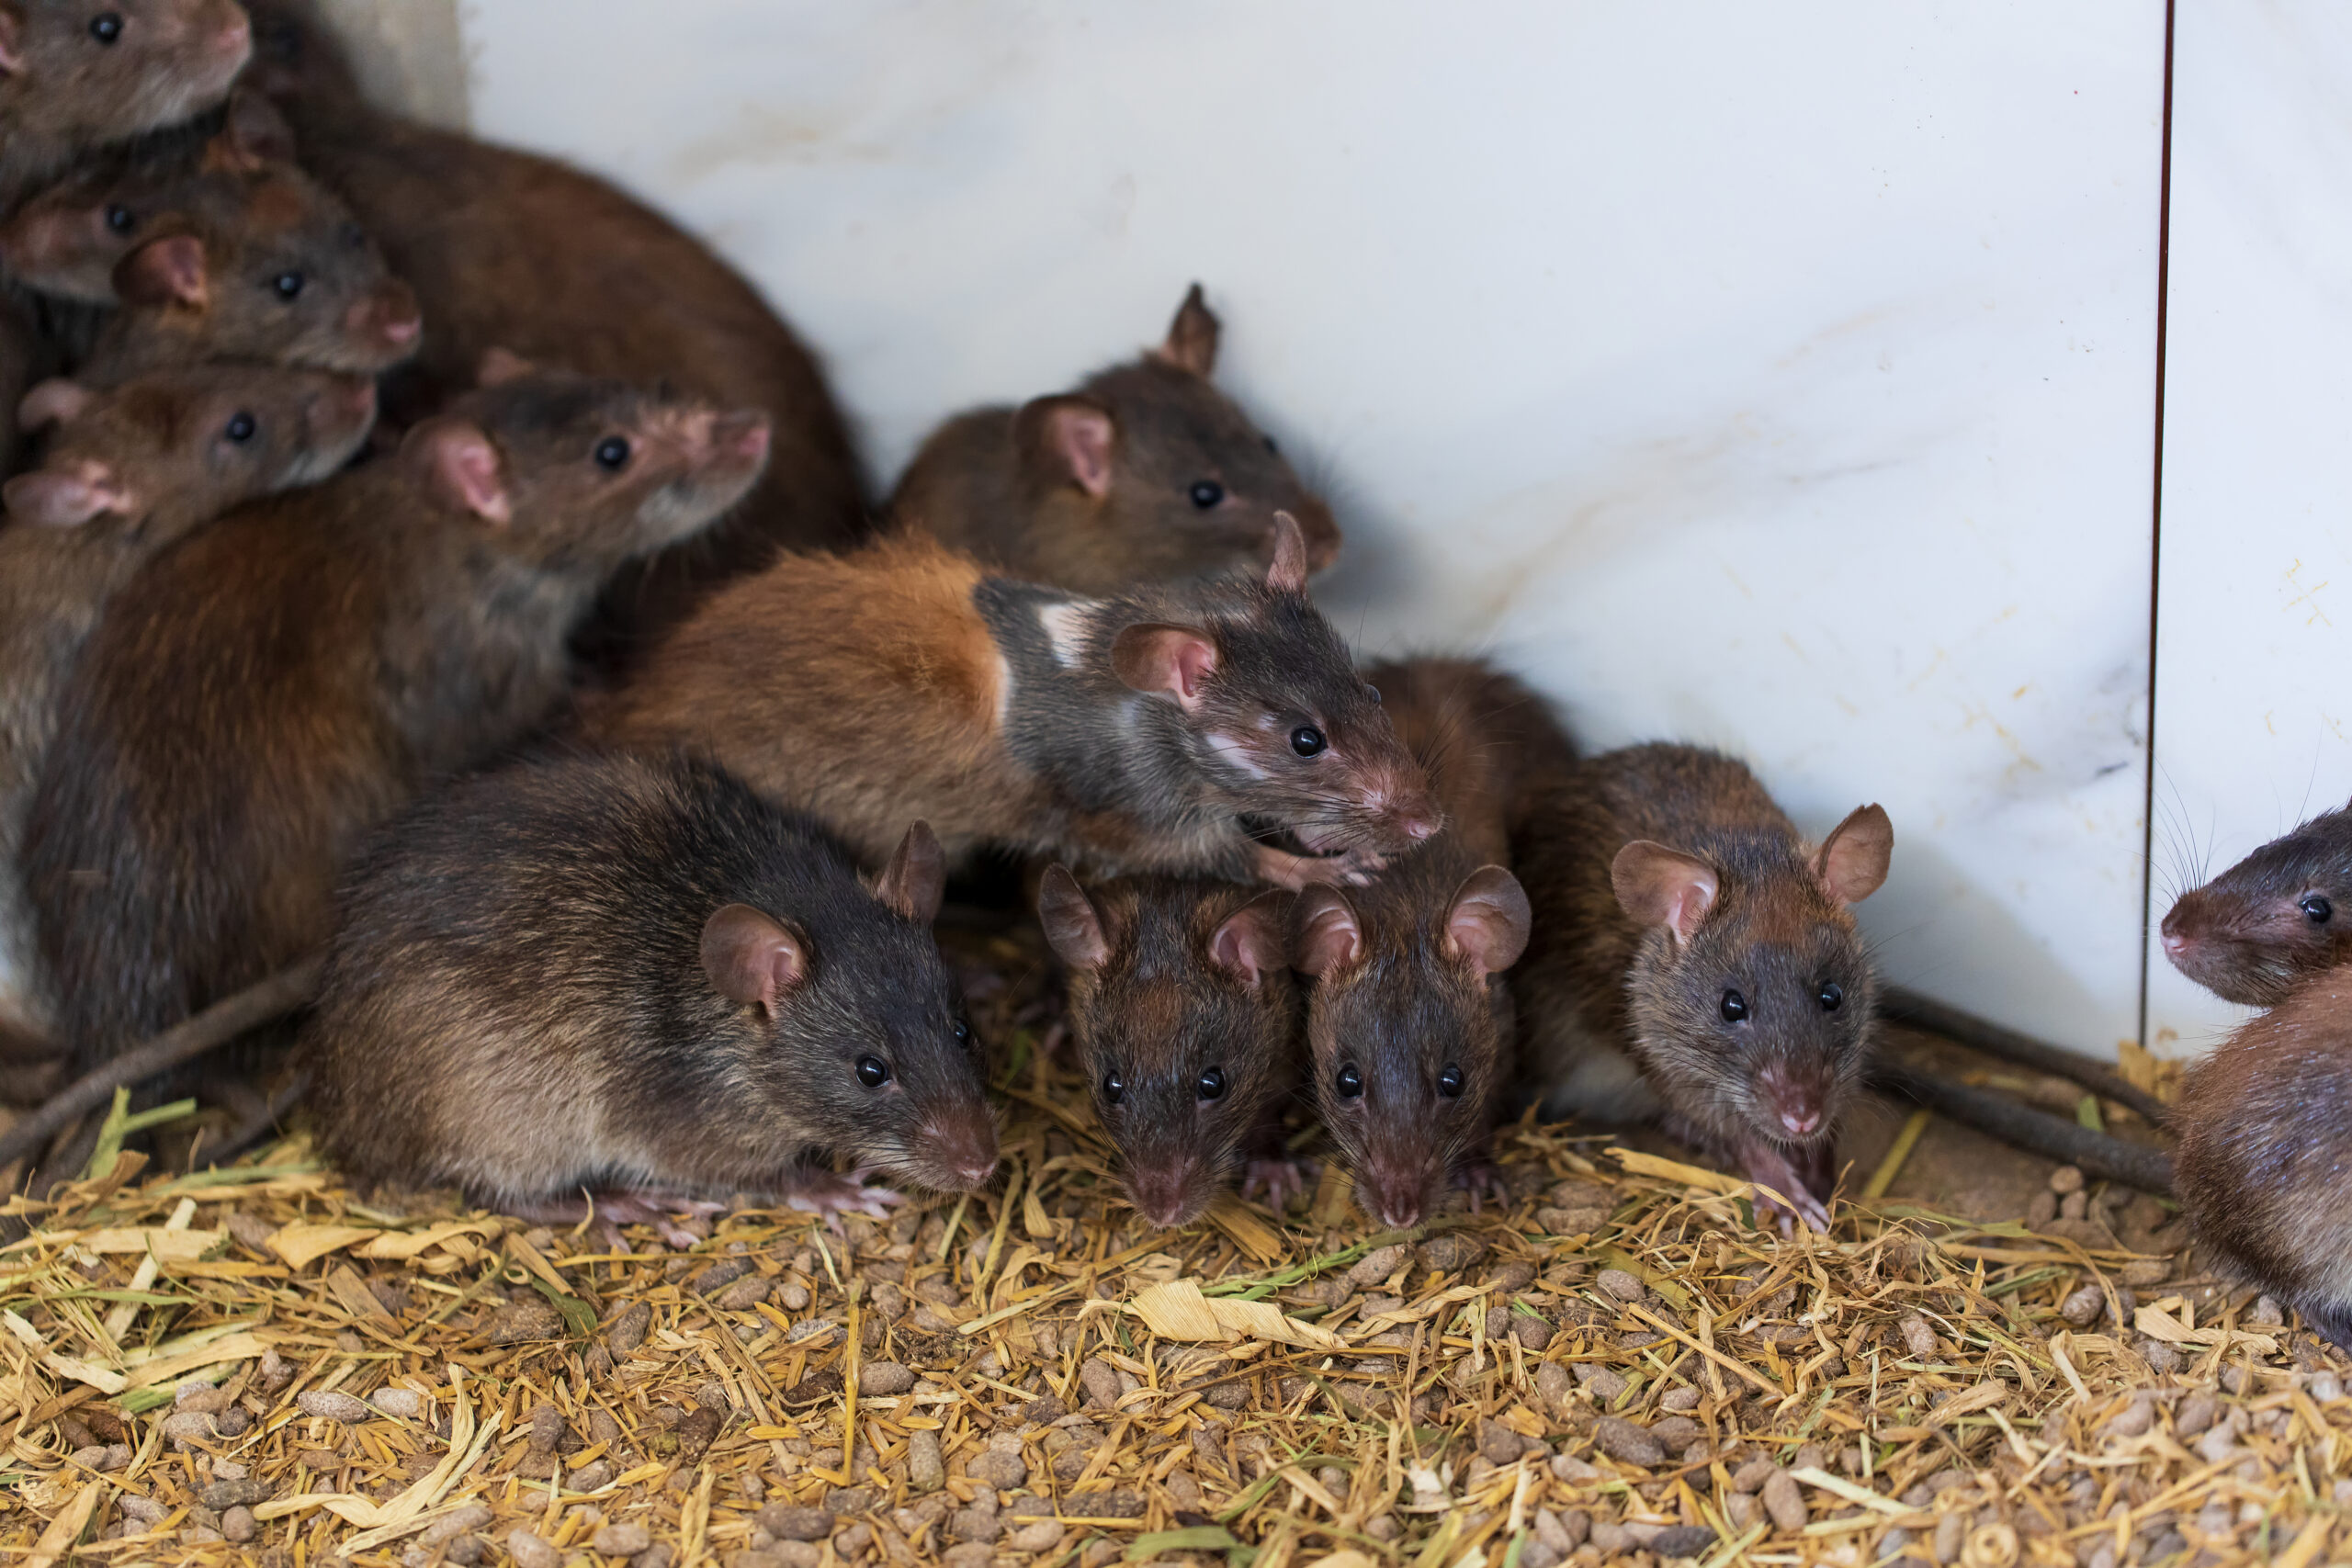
column 255, row 1364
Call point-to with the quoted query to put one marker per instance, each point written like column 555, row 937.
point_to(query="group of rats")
column 423, row 552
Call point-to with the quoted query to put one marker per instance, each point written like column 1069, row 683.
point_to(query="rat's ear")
column 1329, row 936
column 750, row 956
column 255, row 135
column 12, row 52
column 1489, row 919
column 1288, row 574
column 169, row 270
column 460, row 466
column 1854, row 859
column 57, row 500
column 1661, row 887
column 55, row 400
column 1254, row 940
column 1065, row 440
column 1191, row 336
column 1152, row 657
column 1073, row 928
column 500, row 366
column 916, row 878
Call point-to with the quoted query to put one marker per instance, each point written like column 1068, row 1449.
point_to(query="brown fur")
column 1396, row 999
column 279, row 682
column 1623, row 1021
column 505, row 249
column 994, row 481
column 2264, row 1144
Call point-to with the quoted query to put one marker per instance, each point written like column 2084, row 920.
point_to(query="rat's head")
column 82, row 73
column 1752, row 992
column 1276, row 717
column 1180, row 1001
column 584, row 474
column 248, row 259
column 848, row 1023
column 1148, row 473
column 169, row 450
column 1407, row 1053
column 2253, row 931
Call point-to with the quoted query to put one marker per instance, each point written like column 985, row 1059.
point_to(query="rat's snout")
column 964, row 1150
column 1166, row 1189
column 740, row 437
column 1394, row 1198
column 1796, row 1103
column 387, row 317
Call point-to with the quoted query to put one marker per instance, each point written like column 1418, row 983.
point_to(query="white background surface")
column 2254, row 715
column 1779, row 377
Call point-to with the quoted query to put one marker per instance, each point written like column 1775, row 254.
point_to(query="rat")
column 2263, row 1146
column 76, row 75
column 1691, row 959
column 506, row 248
column 2255, row 930
column 634, row 976
column 282, row 680
column 1177, row 730
column 1182, row 1004
column 246, row 258
column 1408, row 1021
column 1145, row 473
column 125, row 474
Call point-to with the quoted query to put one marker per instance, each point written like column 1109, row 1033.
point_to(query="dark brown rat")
column 2284, row 912
column 1170, row 729
column 508, row 248
column 250, row 258
column 2264, row 1143
column 126, row 473
column 77, row 74
column 1692, row 959
column 1181, row 1005
column 1145, row 473
column 279, row 682
column 633, row 977
column 1409, row 1020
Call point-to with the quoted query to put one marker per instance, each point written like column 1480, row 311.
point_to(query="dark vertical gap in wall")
column 2156, row 529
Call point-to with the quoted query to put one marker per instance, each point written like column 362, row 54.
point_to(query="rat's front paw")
column 831, row 1194
column 1276, row 1181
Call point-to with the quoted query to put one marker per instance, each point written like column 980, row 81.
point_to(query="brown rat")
column 1409, row 1020
column 1692, row 959
column 1168, row 730
column 633, row 975
column 1145, row 473
column 1181, row 1005
column 508, row 248
column 276, row 683
column 2284, row 912
column 124, row 475
column 77, row 74
column 2264, row 1143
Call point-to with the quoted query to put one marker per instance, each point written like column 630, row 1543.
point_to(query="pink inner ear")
column 1288, row 574
column 1174, row 659
column 1658, row 886
column 167, row 271
column 1080, row 437
column 500, row 366
column 52, row 500
column 1491, row 919
column 749, row 957
column 12, row 59
column 465, row 471
column 1072, row 928
column 57, row 399
column 916, row 879
column 1250, row 943
column 1854, row 859
column 1329, row 937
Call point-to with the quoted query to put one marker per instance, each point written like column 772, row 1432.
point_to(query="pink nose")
column 2175, row 944
column 1418, row 827
column 976, row 1172
column 1801, row 1123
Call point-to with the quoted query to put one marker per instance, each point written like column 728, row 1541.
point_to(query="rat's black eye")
column 1271, row 447
column 107, row 26
column 1734, row 1007
column 612, row 454
column 289, row 284
column 1206, row 493
column 1211, row 1085
column 120, row 219
column 1831, row 994
column 873, row 1071
column 1448, row 1082
column 2317, row 910
column 1308, row 741
column 1348, row 1081
column 241, row 427
column 1374, row 693
column 1114, row 1087
column 963, row 1033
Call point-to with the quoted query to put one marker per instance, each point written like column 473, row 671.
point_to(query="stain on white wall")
column 1778, row 378
column 2254, row 659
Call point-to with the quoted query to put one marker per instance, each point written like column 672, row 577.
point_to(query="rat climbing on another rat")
column 1694, row 961
column 633, row 977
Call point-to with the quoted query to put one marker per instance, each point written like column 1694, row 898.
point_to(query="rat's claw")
column 1279, row 1179
column 679, row 1240
column 1481, row 1180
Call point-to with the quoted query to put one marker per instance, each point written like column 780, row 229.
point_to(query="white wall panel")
column 1777, row 377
